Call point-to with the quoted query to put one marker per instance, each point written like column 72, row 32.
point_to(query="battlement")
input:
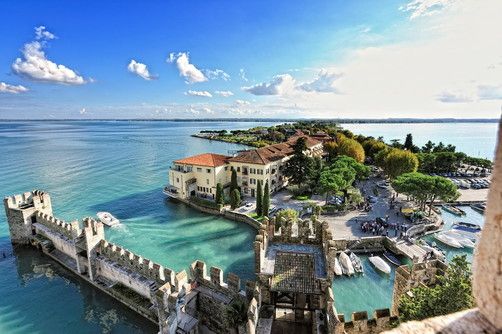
column 137, row 263
column 35, row 198
column 215, row 279
column 70, row 230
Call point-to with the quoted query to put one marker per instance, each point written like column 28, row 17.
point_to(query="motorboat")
column 356, row 262
column 480, row 207
column 467, row 227
column 337, row 268
column 108, row 219
column 392, row 258
column 346, row 264
column 453, row 209
column 445, row 239
column 466, row 242
column 380, row 264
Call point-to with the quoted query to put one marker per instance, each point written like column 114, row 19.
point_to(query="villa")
column 199, row 175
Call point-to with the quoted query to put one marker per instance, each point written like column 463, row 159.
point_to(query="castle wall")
column 59, row 241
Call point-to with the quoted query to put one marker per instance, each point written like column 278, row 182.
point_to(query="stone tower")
column 94, row 233
column 20, row 211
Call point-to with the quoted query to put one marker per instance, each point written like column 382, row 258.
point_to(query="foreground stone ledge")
column 468, row 322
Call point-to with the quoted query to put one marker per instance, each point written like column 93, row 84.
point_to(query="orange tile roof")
column 205, row 159
column 270, row 153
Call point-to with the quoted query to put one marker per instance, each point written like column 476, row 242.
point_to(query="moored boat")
column 107, row 218
column 337, row 268
column 467, row 227
column 346, row 264
column 466, row 242
column 356, row 262
column 391, row 258
column 453, row 209
column 448, row 240
column 380, row 264
column 480, row 207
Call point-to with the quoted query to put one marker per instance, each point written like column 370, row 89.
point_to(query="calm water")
column 475, row 139
column 121, row 167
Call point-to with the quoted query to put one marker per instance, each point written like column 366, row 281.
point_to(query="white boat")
column 107, row 218
column 380, row 264
column 445, row 239
column 466, row 242
column 356, row 262
column 346, row 264
column 338, row 268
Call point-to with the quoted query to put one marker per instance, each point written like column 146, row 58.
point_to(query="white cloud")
column 324, row 83
column 242, row 75
column 489, row 92
column 12, row 89
column 35, row 65
column 454, row 97
column 82, row 111
column 42, row 33
column 140, row 70
column 242, row 102
column 217, row 74
column 224, row 93
column 202, row 93
column 280, row 85
column 420, row 8
column 191, row 73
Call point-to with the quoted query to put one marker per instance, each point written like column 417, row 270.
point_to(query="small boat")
column 464, row 241
column 391, row 258
column 337, row 268
column 480, row 207
column 453, row 209
column 356, row 262
column 467, row 227
column 448, row 240
column 108, row 219
column 380, row 264
column 346, row 264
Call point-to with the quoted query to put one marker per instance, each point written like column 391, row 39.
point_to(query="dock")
column 411, row 250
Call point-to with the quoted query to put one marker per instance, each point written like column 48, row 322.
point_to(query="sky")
column 250, row 59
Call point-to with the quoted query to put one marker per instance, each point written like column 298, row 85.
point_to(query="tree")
column 235, row 198
column 372, row 147
column 428, row 147
column 233, row 181
column 408, row 142
column 398, row 162
column 445, row 162
column 259, row 195
column 220, row 199
column 426, row 162
column 266, row 200
column 453, row 293
column 334, row 180
column 361, row 171
column 351, row 148
column 299, row 168
column 315, row 173
column 425, row 188
column 331, row 148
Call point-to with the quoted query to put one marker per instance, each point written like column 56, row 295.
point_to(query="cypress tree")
column 219, row 194
column 233, row 181
column 259, row 196
column 235, row 198
column 266, row 200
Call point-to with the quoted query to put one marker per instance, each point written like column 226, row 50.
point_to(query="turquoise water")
column 475, row 139
column 107, row 166
column 121, row 166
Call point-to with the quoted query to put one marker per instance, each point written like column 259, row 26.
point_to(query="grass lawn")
column 254, row 215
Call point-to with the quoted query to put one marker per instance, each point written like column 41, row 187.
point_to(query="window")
column 177, row 180
column 238, row 169
column 199, row 169
column 226, row 168
column 208, row 170
column 207, row 181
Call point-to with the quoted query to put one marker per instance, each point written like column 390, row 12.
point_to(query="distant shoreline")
column 338, row 120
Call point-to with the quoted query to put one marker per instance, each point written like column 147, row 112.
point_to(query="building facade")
column 199, row 175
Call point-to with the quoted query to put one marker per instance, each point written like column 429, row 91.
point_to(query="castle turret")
column 21, row 213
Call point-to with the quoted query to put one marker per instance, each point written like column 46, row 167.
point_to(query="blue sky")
column 203, row 59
